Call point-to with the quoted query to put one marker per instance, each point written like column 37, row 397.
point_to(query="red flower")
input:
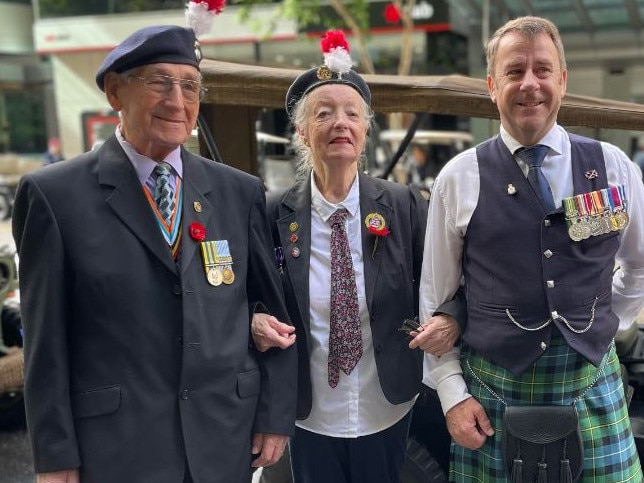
column 391, row 13
column 197, row 231
column 381, row 231
column 333, row 39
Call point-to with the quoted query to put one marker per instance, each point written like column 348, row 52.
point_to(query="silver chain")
column 558, row 317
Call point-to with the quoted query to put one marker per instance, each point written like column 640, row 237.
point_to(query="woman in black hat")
column 349, row 248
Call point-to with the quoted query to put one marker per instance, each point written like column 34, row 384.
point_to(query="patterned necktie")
column 164, row 192
column 533, row 157
column 345, row 340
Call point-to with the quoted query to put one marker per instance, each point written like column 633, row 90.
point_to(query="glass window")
column 73, row 8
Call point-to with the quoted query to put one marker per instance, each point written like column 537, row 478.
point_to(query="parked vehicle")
column 12, row 411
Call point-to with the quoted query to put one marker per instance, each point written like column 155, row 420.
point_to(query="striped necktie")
column 164, row 195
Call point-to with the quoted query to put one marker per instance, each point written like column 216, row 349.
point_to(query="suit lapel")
column 372, row 201
column 128, row 200
column 196, row 206
column 295, row 212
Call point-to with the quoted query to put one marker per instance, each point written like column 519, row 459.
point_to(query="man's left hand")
column 437, row 335
column 269, row 447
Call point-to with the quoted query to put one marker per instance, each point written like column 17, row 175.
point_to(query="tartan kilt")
column 558, row 377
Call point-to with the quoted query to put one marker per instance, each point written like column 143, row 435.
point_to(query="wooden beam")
column 250, row 85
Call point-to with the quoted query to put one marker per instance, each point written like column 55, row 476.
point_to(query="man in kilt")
column 535, row 236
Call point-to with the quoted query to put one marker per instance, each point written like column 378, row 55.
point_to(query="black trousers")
column 377, row 457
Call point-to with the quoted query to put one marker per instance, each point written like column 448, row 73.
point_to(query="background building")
column 603, row 39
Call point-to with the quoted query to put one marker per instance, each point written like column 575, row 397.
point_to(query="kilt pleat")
column 558, row 377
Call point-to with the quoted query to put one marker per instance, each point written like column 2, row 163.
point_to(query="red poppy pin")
column 197, row 231
column 377, row 226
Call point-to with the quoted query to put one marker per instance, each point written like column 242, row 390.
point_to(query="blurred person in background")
column 54, row 152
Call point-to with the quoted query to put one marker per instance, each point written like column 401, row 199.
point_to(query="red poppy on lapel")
column 377, row 226
column 197, row 231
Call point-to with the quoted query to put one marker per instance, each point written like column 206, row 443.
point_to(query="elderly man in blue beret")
column 141, row 265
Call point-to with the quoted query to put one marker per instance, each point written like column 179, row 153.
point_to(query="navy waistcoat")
column 519, row 263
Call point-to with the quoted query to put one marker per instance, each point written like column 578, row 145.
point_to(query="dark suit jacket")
column 134, row 366
column 392, row 276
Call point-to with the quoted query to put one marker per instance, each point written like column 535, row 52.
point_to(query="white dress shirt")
column 144, row 165
column 356, row 406
column 454, row 198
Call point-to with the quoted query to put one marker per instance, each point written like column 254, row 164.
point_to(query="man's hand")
column 437, row 335
column 68, row 476
column 468, row 424
column 269, row 332
column 269, row 447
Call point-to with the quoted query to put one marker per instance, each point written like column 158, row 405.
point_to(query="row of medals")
column 595, row 213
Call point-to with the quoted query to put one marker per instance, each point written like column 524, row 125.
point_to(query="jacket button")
column 176, row 290
column 184, row 395
column 548, row 253
column 378, row 348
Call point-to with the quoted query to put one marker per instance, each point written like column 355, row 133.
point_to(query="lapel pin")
column 511, row 189
column 197, row 206
column 592, row 174
column 295, row 252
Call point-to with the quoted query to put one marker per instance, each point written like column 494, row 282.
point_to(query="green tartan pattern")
column 558, row 377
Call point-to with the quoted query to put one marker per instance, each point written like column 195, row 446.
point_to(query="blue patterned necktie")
column 164, row 195
column 345, row 339
column 533, row 157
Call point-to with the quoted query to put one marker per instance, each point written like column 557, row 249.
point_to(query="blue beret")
column 150, row 45
column 319, row 76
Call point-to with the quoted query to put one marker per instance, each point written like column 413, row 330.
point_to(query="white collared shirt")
column 356, row 406
column 454, row 198
column 144, row 165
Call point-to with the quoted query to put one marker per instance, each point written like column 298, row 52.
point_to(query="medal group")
column 596, row 213
column 218, row 263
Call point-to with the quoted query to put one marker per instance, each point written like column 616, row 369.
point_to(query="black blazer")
column 135, row 366
column 392, row 277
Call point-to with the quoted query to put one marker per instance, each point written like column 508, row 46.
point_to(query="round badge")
column 324, row 73
column 622, row 219
column 228, row 275
column 295, row 252
column 375, row 221
column 197, row 206
column 294, row 238
column 215, row 277
column 293, row 227
column 575, row 232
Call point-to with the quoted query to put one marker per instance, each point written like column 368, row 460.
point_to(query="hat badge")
column 324, row 73
column 198, row 55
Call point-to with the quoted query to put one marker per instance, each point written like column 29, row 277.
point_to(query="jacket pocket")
column 248, row 383
column 103, row 400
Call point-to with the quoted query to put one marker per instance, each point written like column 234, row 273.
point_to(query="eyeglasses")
column 163, row 84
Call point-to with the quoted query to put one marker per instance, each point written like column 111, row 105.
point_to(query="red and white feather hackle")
column 201, row 13
column 336, row 52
